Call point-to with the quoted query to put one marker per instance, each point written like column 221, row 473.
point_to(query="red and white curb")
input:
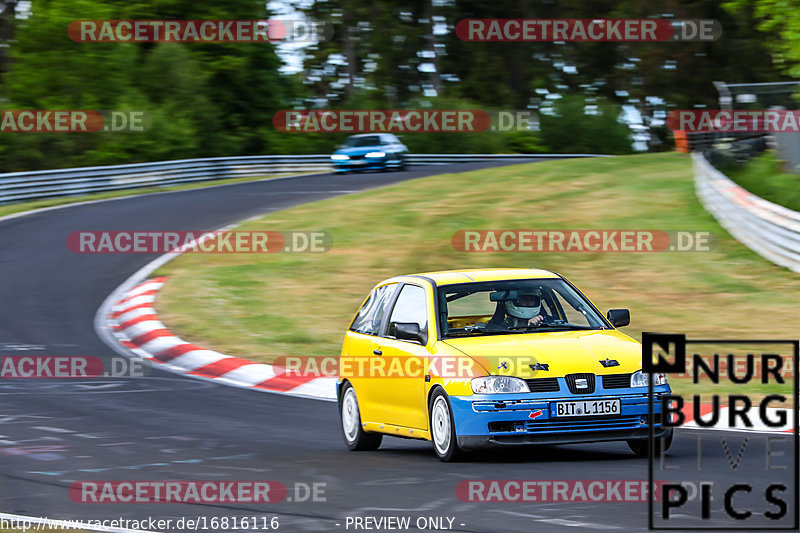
column 135, row 325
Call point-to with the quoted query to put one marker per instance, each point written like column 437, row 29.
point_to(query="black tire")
column 443, row 428
column 354, row 435
column 641, row 448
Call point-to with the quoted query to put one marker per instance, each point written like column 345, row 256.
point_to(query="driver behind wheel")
column 525, row 309
column 518, row 309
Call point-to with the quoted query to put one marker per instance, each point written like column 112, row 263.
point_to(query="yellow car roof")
column 449, row 277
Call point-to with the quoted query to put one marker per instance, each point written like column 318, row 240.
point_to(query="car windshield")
column 366, row 140
column 515, row 306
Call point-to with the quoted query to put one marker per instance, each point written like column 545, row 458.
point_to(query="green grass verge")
column 11, row 209
column 262, row 306
column 765, row 176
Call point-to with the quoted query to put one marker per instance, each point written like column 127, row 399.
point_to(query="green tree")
column 571, row 128
column 204, row 100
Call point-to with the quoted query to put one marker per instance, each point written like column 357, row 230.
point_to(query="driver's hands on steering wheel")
column 535, row 321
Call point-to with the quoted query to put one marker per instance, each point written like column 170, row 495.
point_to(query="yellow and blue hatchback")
column 476, row 358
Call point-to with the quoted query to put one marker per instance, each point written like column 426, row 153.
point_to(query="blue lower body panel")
column 509, row 419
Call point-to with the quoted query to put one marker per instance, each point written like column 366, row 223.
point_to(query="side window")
column 472, row 305
column 368, row 320
column 411, row 306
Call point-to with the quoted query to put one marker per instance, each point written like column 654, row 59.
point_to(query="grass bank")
column 262, row 306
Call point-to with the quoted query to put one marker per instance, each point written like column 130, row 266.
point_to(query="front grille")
column 577, row 423
column 584, row 423
column 357, row 156
column 571, row 379
column 543, row 384
column 617, row 381
column 506, row 427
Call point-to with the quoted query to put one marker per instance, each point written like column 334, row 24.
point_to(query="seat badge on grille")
column 581, row 383
column 609, row 362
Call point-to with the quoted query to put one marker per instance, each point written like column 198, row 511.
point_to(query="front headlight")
column 498, row 385
column 376, row 154
column 641, row 379
column 340, row 157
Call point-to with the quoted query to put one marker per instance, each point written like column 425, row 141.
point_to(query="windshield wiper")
column 549, row 326
column 481, row 331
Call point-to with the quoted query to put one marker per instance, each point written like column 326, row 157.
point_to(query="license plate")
column 585, row 408
column 359, row 161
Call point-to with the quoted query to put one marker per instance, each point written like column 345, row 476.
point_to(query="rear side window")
column 368, row 320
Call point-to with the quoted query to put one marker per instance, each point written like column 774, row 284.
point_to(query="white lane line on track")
column 558, row 521
column 575, row 523
column 430, row 506
column 514, row 513
column 66, row 524
column 52, row 429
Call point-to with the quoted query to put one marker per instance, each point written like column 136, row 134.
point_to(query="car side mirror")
column 619, row 317
column 409, row 331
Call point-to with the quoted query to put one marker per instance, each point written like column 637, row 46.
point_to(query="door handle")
column 377, row 352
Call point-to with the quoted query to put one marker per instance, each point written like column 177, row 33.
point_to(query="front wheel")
column 443, row 429
column 355, row 437
column 641, row 447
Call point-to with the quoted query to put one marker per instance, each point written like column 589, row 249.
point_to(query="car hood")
column 358, row 150
column 564, row 352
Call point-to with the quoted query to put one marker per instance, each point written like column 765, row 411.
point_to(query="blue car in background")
column 371, row 151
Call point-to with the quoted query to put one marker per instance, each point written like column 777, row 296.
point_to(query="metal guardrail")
column 770, row 230
column 23, row 186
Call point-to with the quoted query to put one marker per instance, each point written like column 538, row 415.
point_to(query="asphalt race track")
column 167, row 427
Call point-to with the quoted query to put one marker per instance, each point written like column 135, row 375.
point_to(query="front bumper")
column 485, row 420
column 359, row 164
